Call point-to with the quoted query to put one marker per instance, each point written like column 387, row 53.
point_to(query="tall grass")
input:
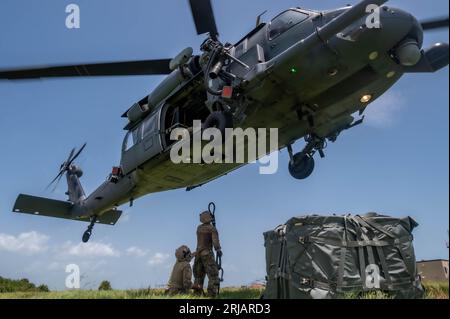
column 436, row 290
column 432, row 291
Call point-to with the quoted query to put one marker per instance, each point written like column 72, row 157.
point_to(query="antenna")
column 258, row 19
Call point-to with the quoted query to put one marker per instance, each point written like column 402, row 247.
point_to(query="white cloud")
column 136, row 251
column 26, row 243
column 383, row 112
column 90, row 250
column 158, row 259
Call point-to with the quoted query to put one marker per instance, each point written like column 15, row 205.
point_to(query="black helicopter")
column 305, row 72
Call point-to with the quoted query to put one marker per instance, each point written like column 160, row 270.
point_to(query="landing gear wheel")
column 86, row 236
column 302, row 166
column 219, row 120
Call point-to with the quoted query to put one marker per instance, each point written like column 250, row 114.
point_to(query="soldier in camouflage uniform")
column 180, row 281
column 205, row 264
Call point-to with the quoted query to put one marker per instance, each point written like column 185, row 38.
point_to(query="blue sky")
column 397, row 163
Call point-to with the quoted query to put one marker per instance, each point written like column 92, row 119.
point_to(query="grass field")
column 433, row 291
column 227, row 293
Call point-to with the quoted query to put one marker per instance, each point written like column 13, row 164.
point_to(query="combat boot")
column 198, row 291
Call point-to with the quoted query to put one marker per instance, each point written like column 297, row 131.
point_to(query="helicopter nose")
column 406, row 33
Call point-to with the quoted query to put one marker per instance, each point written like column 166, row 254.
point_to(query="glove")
column 219, row 253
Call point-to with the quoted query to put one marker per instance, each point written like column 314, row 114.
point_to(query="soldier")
column 207, row 237
column 180, row 281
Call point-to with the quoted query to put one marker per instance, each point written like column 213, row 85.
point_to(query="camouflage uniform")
column 205, row 264
column 180, row 281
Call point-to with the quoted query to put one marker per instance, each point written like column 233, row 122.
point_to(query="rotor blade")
column 145, row 67
column 76, row 155
column 70, row 156
column 203, row 14
column 56, row 179
column 57, row 182
column 435, row 23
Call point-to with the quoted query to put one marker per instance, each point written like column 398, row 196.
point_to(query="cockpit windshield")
column 285, row 21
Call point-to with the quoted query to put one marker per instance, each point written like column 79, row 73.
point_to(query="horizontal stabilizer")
column 39, row 206
column 42, row 206
column 110, row 217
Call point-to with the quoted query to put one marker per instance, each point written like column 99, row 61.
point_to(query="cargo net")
column 319, row 257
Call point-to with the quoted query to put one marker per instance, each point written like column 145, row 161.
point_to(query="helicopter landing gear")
column 220, row 120
column 87, row 234
column 302, row 164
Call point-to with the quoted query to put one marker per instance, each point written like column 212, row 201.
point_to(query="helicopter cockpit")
column 284, row 21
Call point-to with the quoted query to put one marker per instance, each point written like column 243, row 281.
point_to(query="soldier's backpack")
column 341, row 257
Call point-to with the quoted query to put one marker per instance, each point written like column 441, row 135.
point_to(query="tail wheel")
column 86, row 236
column 302, row 166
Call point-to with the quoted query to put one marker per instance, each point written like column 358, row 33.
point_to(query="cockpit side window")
column 132, row 138
column 285, row 21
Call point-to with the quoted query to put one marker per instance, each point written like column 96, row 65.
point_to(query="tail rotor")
column 73, row 155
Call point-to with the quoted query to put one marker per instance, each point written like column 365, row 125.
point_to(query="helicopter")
column 309, row 73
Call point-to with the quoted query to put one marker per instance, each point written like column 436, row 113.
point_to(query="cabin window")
column 284, row 22
column 128, row 143
column 149, row 126
column 132, row 138
column 241, row 48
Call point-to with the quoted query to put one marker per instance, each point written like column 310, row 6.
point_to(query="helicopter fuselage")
column 297, row 82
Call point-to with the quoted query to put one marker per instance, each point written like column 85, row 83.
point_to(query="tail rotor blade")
column 68, row 158
column 56, row 179
column 57, row 182
column 76, row 155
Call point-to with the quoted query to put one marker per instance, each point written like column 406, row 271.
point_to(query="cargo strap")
column 397, row 242
column 363, row 234
column 311, row 283
column 355, row 243
column 282, row 274
column 387, row 276
column 375, row 225
column 340, row 282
